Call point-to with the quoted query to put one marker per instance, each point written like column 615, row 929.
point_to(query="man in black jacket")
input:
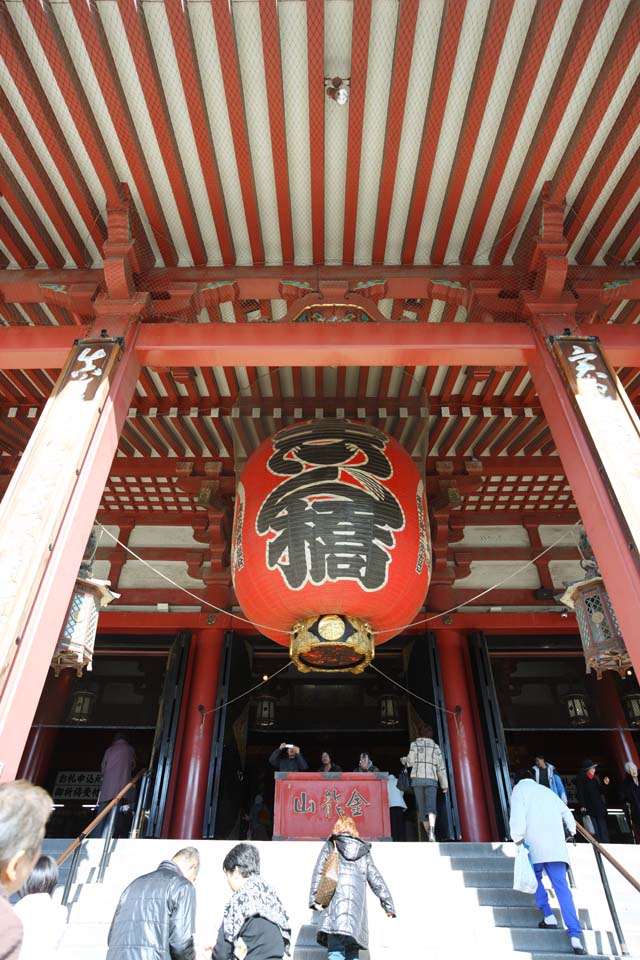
column 155, row 917
column 287, row 759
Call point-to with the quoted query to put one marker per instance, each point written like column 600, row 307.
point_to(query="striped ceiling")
column 215, row 116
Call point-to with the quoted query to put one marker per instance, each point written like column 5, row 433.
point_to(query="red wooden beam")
column 626, row 240
column 577, row 50
column 237, row 119
column 382, row 344
column 90, row 26
column 611, row 214
column 135, row 27
column 489, row 54
column 448, row 40
column 533, row 51
column 25, row 78
column 317, row 96
column 319, row 344
column 14, row 244
column 273, row 76
column 624, row 129
column 63, row 69
column 408, row 15
column 182, row 35
column 32, row 169
column 29, row 220
column 360, row 33
column 623, row 47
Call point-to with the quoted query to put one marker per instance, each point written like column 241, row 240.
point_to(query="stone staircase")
column 452, row 899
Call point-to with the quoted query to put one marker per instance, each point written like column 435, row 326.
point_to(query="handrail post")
column 612, row 907
column 140, row 806
column 72, row 871
column 105, row 852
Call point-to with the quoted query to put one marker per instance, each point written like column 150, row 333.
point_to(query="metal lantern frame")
column 577, row 708
column 600, row 634
column 265, row 711
column 631, row 703
column 76, row 642
column 389, row 705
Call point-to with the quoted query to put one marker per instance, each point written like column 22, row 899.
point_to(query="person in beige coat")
column 427, row 771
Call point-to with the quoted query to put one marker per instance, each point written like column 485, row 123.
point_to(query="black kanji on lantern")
column 332, row 518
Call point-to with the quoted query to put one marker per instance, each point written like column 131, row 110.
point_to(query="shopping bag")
column 524, row 877
column 587, row 823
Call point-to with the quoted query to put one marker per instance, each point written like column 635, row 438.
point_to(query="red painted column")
column 467, row 762
column 195, row 747
column 55, row 579
column 607, row 536
column 612, row 712
column 37, row 753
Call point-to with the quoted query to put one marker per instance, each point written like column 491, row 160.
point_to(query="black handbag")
column 404, row 780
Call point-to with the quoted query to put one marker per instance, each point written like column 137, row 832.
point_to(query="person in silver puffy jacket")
column 344, row 928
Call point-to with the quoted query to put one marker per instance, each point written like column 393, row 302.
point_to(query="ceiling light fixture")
column 337, row 90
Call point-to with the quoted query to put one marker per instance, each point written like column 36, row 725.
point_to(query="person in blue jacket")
column 545, row 774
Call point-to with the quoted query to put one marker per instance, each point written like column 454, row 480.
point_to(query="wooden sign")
column 308, row 804
column 609, row 421
column 34, row 505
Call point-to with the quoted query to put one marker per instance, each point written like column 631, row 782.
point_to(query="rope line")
column 454, row 713
column 396, row 629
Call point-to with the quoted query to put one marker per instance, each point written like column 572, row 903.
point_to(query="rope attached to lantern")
column 398, row 629
column 205, row 713
column 456, row 712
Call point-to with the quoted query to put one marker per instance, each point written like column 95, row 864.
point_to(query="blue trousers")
column 557, row 873
column 341, row 947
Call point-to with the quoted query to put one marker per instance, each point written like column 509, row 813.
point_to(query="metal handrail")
column 76, row 845
column 600, row 852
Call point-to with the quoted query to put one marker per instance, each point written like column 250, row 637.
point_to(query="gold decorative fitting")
column 332, row 643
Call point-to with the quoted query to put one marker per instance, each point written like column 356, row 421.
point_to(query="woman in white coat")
column 43, row 919
column 539, row 819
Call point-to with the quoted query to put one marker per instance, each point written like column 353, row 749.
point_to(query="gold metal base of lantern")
column 332, row 643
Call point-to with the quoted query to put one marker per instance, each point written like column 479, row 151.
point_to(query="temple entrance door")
column 225, row 787
column 426, row 682
column 492, row 730
column 163, row 753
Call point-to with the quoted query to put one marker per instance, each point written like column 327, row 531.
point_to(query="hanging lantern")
column 389, row 711
column 82, row 706
column 265, row 712
column 330, row 550
column 602, row 641
column 631, row 703
column 577, row 708
column 75, row 646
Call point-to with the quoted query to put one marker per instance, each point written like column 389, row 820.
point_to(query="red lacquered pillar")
column 190, row 790
column 620, row 742
column 41, row 740
column 466, row 759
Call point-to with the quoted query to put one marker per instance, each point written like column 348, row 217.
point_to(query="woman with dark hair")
column 255, row 924
column 327, row 764
column 427, row 772
column 43, row 920
column 344, row 929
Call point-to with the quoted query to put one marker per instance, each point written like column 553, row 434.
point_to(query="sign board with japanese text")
column 77, row 785
column 610, row 423
column 34, row 505
column 308, row 804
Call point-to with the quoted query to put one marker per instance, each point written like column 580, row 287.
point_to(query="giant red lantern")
column 331, row 549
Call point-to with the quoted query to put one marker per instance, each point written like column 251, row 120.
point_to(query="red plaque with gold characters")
column 308, row 804
column 331, row 549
